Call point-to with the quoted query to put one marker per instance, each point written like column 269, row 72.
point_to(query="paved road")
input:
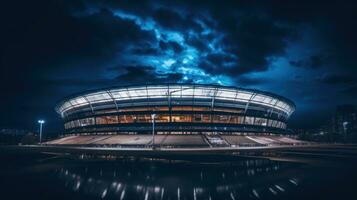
column 302, row 153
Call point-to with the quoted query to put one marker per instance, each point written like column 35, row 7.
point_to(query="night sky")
column 303, row 50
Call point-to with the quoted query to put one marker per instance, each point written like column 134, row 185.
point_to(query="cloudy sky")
column 303, row 50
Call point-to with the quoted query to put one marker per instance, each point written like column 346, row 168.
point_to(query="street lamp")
column 41, row 122
column 153, row 129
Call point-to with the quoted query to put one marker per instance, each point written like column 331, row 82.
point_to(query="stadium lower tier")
column 173, row 141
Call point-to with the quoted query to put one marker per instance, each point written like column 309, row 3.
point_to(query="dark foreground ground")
column 326, row 172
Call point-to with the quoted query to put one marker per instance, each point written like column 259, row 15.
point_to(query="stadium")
column 175, row 116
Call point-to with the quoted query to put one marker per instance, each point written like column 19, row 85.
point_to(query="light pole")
column 153, row 130
column 169, row 100
column 41, row 122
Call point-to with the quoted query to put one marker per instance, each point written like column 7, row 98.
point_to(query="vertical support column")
column 113, row 99
column 247, row 106
column 169, row 103
column 116, row 106
column 153, row 130
column 90, row 104
column 91, row 107
column 212, row 103
column 193, row 102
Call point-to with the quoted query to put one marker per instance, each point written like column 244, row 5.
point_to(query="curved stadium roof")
column 197, row 91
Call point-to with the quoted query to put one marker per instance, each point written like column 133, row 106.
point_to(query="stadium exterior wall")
column 179, row 109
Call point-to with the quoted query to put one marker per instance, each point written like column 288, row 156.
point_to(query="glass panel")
column 260, row 121
column 242, row 96
column 259, row 98
column 249, row 120
column 274, row 123
column 98, row 97
column 144, row 118
column 86, row 121
column 226, row 94
column 188, row 92
column 119, row 94
column 126, row 118
column 138, row 94
column 107, row 120
column 176, row 91
column 181, row 118
column 221, row 118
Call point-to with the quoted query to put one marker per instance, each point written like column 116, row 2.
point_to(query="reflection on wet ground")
column 43, row 176
column 248, row 179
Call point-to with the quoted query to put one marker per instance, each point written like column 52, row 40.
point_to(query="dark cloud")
column 249, row 81
column 145, row 49
column 220, row 59
column 144, row 75
column 256, row 40
column 352, row 92
column 50, row 49
column 106, row 34
column 175, row 21
column 42, row 42
column 249, row 41
column 314, row 61
column 174, row 46
column 197, row 42
column 337, row 79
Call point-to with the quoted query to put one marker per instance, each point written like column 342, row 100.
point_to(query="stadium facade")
column 178, row 109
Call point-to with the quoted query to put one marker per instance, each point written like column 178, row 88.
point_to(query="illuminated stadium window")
column 180, row 108
column 161, row 108
column 233, row 119
column 125, row 119
column 240, row 120
column 195, row 108
column 189, row 108
column 160, row 118
column 138, row 109
column 249, row 120
column 231, row 110
column 284, row 126
column 76, row 123
column 86, row 121
column 181, row 118
column 221, row 118
column 67, row 125
column 106, row 111
column 274, row 123
column 206, row 118
column 260, row 121
column 143, row 118
column 134, row 109
column 280, row 124
column 197, row 118
column 277, row 125
column 71, row 124
column 107, row 120
column 201, row 118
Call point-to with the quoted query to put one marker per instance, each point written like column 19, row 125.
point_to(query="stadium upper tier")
column 118, row 97
column 178, row 107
